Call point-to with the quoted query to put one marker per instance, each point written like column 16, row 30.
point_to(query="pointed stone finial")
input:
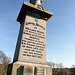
column 38, row 2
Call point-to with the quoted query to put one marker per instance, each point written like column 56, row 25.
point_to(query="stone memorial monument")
column 30, row 53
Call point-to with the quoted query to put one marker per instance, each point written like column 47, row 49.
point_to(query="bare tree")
column 60, row 65
column 2, row 56
column 51, row 64
column 73, row 66
column 4, row 61
column 57, row 68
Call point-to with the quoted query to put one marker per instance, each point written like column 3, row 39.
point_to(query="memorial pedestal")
column 22, row 68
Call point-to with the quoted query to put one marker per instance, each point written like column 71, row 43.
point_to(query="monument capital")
column 36, row 2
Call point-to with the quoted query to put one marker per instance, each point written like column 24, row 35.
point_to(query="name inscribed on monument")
column 33, row 43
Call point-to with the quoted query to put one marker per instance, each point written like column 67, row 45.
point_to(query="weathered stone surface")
column 30, row 53
column 33, row 41
column 31, row 44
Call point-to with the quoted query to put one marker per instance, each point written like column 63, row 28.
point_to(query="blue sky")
column 60, row 37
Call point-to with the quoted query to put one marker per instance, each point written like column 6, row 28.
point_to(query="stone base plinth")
column 22, row 68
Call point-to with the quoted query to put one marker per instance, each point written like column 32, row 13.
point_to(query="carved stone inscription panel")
column 40, row 71
column 33, row 42
column 28, row 71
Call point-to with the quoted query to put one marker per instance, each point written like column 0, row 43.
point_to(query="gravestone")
column 30, row 53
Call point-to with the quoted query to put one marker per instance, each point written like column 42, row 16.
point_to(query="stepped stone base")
column 22, row 68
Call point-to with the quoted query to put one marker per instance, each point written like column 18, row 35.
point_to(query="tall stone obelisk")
column 30, row 53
